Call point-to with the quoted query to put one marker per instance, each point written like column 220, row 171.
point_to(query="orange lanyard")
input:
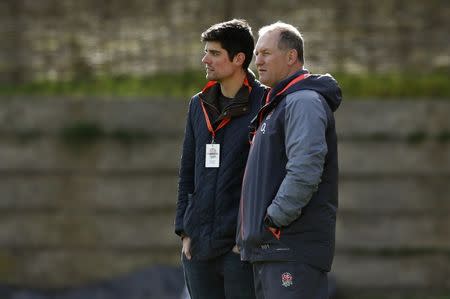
column 225, row 120
column 208, row 122
column 298, row 79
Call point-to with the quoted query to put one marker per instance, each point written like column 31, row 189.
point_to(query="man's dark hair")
column 235, row 36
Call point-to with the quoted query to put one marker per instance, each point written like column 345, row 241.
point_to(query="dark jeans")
column 224, row 277
column 289, row 280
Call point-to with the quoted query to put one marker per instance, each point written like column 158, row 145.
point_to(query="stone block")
column 394, row 194
column 96, row 192
column 395, row 231
column 75, row 267
column 49, row 116
column 88, row 230
column 394, row 158
column 392, row 272
column 54, row 156
column 392, row 119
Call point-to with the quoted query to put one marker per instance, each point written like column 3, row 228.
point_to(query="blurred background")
column 93, row 99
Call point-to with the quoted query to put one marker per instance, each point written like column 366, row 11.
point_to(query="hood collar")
column 326, row 85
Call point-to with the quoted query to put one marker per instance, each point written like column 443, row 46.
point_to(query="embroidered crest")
column 286, row 279
column 263, row 128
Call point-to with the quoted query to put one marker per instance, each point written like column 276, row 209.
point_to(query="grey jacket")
column 291, row 175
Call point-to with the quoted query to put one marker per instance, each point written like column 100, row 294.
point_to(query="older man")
column 289, row 195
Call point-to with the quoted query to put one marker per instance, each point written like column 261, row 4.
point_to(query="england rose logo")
column 286, row 279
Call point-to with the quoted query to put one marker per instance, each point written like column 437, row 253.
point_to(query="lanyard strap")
column 209, row 125
column 298, row 79
column 225, row 120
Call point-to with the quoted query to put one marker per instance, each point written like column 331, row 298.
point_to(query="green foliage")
column 409, row 85
column 164, row 84
column 184, row 84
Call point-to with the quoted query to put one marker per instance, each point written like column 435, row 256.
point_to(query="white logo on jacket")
column 263, row 128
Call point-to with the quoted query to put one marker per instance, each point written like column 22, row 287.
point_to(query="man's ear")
column 292, row 56
column 239, row 58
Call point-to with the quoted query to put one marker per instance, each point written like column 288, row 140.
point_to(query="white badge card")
column 212, row 159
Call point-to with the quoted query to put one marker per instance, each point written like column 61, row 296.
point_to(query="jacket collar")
column 239, row 106
column 274, row 92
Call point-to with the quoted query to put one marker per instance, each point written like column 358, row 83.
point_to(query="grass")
column 411, row 85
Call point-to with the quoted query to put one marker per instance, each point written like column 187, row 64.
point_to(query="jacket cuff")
column 180, row 232
column 269, row 222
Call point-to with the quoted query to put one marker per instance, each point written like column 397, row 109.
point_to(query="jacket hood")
column 326, row 85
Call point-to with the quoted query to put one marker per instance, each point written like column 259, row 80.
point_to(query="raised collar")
column 239, row 106
column 210, row 93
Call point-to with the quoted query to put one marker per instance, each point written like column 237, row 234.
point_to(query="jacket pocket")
column 261, row 235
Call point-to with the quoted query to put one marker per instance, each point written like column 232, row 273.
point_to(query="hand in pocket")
column 186, row 250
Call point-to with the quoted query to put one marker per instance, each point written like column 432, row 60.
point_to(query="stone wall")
column 68, row 39
column 88, row 191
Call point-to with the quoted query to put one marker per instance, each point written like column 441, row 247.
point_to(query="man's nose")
column 258, row 60
column 205, row 59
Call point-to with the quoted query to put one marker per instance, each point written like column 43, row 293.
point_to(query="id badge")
column 212, row 159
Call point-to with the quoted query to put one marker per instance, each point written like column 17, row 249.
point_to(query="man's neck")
column 231, row 85
column 294, row 70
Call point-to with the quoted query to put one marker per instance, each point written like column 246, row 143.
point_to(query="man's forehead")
column 216, row 46
column 268, row 40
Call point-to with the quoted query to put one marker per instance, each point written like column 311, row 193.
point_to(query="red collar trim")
column 212, row 83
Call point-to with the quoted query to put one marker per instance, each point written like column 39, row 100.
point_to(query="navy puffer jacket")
column 208, row 198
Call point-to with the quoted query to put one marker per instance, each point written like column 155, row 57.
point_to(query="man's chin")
column 264, row 81
column 209, row 77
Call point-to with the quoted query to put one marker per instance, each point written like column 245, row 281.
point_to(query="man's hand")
column 275, row 232
column 235, row 249
column 186, row 250
column 268, row 222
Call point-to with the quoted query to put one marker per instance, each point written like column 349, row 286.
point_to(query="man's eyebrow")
column 261, row 50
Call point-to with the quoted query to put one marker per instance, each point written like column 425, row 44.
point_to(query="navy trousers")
column 224, row 277
column 289, row 280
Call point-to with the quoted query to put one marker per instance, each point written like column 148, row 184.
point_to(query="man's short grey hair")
column 290, row 37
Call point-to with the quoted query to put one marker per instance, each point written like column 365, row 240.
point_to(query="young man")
column 214, row 154
column 289, row 194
